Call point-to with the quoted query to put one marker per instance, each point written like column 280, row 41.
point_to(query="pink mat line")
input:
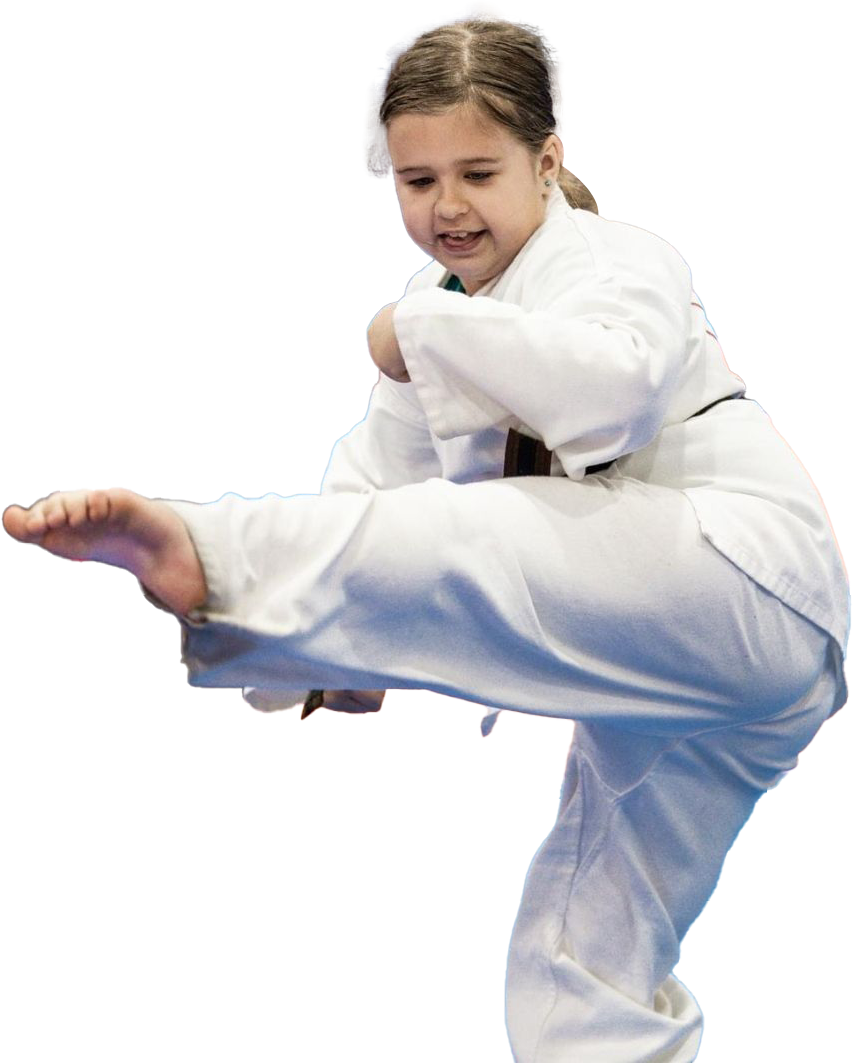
column 335, row 897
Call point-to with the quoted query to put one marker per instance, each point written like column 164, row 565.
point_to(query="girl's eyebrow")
column 459, row 162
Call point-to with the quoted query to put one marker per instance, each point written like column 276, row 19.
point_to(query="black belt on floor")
column 525, row 456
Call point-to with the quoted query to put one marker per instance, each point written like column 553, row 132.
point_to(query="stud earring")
column 547, row 182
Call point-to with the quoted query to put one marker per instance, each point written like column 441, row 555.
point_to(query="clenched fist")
column 383, row 346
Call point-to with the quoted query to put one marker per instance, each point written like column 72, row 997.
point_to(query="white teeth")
column 458, row 236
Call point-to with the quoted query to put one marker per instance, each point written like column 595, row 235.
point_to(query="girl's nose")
column 450, row 205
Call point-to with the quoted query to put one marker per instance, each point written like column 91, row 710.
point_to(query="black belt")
column 525, row 456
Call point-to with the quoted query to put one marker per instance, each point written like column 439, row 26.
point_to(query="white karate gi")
column 243, row 65
column 57, row 270
column 687, row 606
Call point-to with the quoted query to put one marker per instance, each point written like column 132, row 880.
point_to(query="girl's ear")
column 551, row 157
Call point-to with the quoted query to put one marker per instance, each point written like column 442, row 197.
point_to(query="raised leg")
column 597, row 600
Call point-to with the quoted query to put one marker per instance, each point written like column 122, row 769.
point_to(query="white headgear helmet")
column 104, row 373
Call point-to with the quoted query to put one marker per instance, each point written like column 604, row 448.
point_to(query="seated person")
column 57, row 265
column 107, row 707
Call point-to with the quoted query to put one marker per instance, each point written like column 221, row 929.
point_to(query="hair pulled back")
column 503, row 68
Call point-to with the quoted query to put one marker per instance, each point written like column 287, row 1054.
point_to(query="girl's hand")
column 343, row 701
column 383, row 346
column 353, row 700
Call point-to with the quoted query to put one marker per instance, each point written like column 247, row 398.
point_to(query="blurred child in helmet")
column 103, row 713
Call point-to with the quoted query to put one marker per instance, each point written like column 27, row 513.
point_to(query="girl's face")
column 461, row 173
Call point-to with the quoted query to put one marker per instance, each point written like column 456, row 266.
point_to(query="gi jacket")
column 594, row 341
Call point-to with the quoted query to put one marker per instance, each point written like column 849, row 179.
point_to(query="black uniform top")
column 43, row 614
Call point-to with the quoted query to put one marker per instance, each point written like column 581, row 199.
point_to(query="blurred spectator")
column 830, row 29
column 105, row 699
column 57, row 266
column 690, row 38
column 112, row 47
column 241, row 64
column 792, row 130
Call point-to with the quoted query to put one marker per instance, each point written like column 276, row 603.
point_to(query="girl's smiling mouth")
column 460, row 241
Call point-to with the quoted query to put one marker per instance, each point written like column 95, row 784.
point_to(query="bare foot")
column 120, row 528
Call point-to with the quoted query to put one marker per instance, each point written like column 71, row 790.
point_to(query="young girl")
column 560, row 503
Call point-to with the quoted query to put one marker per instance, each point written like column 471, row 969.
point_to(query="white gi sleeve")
column 590, row 364
column 391, row 447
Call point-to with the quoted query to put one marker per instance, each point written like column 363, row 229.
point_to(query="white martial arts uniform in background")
column 686, row 606
column 57, row 270
column 243, row 65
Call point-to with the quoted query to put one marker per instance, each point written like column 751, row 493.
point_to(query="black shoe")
column 128, row 769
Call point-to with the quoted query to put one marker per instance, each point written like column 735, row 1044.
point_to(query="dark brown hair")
column 503, row 68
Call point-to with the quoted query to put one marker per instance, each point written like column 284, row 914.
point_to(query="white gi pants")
column 693, row 690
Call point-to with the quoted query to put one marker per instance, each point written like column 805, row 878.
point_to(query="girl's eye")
column 480, row 175
column 420, row 182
